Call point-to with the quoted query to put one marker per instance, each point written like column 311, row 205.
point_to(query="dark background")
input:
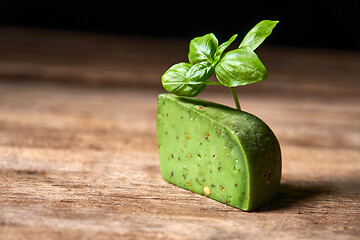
column 315, row 24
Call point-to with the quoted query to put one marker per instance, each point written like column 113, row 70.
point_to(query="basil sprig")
column 237, row 67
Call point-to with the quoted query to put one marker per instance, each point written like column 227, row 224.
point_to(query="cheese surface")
column 225, row 154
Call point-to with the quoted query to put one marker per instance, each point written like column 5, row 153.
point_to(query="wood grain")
column 78, row 152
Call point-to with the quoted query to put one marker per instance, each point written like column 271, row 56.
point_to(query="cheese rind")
column 225, row 154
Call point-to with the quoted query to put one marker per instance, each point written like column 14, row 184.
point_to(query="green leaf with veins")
column 202, row 48
column 222, row 47
column 240, row 67
column 174, row 81
column 200, row 72
column 258, row 34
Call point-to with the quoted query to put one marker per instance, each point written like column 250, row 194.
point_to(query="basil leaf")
column 174, row 81
column 258, row 34
column 240, row 67
column 202, row 48
column 200, row 72
column 222, row 48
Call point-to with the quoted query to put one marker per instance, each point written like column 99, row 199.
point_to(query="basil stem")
column 236, row 100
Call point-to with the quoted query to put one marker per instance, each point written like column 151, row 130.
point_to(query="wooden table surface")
column 78, row 151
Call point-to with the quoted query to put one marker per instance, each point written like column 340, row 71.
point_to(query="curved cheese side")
column 225, row 154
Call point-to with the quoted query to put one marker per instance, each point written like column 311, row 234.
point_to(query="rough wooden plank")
column 81, row 162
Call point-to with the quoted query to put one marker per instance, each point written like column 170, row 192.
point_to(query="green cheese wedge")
column 225, row 154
